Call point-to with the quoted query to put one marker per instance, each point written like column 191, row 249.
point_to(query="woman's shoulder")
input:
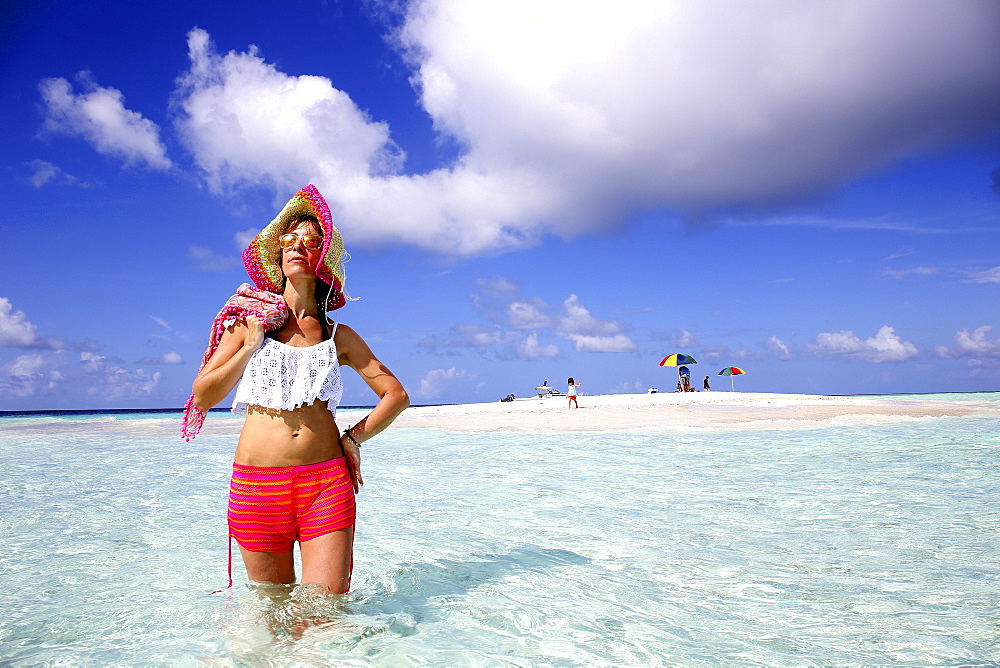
column 342, row 330
column 348, row 341
column 236, row 327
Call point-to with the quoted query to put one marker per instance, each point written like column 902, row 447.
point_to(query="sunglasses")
column 310, row 241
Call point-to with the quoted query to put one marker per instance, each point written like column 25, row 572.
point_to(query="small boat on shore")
column 545, row 391
column 542, row 391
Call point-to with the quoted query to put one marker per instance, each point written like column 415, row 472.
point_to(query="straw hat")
column 262, row 257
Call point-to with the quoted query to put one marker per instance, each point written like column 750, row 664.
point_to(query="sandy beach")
column 618, row 412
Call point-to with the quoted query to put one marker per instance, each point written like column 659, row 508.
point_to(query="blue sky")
column 529, row 191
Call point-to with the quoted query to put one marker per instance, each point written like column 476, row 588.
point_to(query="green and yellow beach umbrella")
column 732, row 371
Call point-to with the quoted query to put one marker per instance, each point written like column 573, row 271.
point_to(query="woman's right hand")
column 255, row 332
column 225, row 367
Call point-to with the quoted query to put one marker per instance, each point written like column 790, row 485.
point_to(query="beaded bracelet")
column 348, row 434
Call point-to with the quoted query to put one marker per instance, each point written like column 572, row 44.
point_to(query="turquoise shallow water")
column 845, row 545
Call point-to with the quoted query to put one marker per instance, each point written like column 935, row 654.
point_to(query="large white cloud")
column 571, row 116
column 702, row 104
column 100, row 117
column 885, row 346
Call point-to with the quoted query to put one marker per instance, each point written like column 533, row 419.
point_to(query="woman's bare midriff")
column 274, row 437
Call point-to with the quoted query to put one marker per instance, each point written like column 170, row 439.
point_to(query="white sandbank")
column 711, row 410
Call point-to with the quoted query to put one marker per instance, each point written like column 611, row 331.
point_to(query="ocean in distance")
column 858, row 543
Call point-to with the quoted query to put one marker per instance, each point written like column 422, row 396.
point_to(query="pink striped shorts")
column 272, row 507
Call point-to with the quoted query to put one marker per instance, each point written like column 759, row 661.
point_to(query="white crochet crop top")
column 285, row 377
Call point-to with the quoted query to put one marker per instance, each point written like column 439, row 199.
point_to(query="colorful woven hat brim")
column 262, row 258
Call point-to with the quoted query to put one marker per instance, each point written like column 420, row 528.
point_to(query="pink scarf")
column 267, row 306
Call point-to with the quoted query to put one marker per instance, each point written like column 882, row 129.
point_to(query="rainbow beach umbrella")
column 677, row 359
column 732, row 371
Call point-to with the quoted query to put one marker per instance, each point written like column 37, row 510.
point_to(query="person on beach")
column 571, row 392
column 295, row 474
column 705, row 385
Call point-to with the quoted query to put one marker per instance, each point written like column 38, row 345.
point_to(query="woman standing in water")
column 295, row 473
